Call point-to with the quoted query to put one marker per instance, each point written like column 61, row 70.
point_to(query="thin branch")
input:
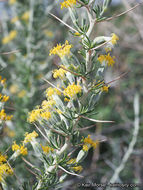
column 10, row 52
column 119, row 77
column 63, row 22
column 101, row 45
column 53, row 85
column 85, row 128
column 98, row 121
column 116, row 16
column 31, row 171
column 41, row 133
column 132, row 143
column 31, row 165
column 69, row 172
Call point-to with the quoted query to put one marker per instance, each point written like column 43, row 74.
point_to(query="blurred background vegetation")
column 28, row 30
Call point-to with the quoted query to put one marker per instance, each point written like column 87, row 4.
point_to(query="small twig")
column 62, row 22
column 7, row 150
column 85, row 128
column 116, row 16
column 31, row 165
column 53, row 85
column 122, row 75
column 10, row 52
column 132, row 143
column 31, row 171
column 101, row 45
column 41, row 133
column 98, row 121
column 69, row 172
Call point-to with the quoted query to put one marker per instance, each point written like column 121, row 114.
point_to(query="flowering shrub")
column 61, row 116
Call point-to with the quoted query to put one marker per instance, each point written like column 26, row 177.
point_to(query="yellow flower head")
column 13, row 89
column 2, row 158
column 46, row 105
column 72, row 161
column 61, row 50
column 77, row 168
column 46, row 149
column 68, row 3
column 34, row 115
column 3, row 116
column 88, row 143
column 11, row 2
column 46, row 115
column 15, row 146
column 30, row 136
column 25, row 16
column 21, row 148
column 114, row 39
column 72, row 90
column 12, row 34
column 59, row 73
column 10, row 37
column 107, row 59
column 105, row 88
column 4, row 171
column 52, row 91
column 4, row 98
column 85, row 148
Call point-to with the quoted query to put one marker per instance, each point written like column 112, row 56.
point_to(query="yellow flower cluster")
column 68, row 3
column 21, row 149
column 72, row 90
column 4, row 98
column 61, row 50
column 77, row 168
column 114, row 39
column 59, row 73
column 10, row 37
column 52, row 91
column 2, row 158
column 11, row 2
column 107, row 59
column 105, row 88
column 30, row 136
column 72, row 161
column 47, row 106
column 88, row 143
column 2, row 81
column 25, row 16
column 47, row 149
column 4, row 168
column 4, row 116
